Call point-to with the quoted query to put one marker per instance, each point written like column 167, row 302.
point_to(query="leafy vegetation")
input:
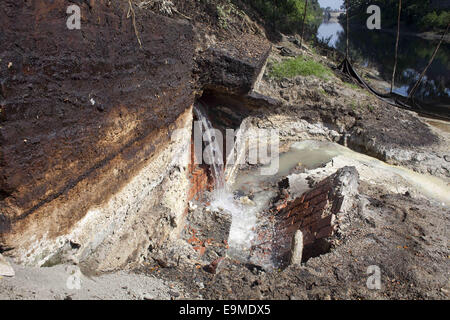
column 423, row 15
column 436, row 20
column 287, row 15
column 225, row 12
column 302, row 66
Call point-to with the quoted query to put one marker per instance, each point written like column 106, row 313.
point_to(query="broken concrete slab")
column 297, row 248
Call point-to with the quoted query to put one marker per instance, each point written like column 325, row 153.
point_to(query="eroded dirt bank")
column 97, row 136
column 108, row 185
column 81, row 121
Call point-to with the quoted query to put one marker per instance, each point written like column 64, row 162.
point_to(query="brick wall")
column 318, row 213
column 200, row 178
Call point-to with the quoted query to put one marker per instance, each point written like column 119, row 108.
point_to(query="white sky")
column 333, row 4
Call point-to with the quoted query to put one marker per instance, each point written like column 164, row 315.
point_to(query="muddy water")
column 315, row 153
column 440, row 124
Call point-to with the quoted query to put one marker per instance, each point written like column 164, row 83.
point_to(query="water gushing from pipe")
column 213, row 151
column 244, row 217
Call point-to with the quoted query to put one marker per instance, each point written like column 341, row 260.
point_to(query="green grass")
column 323, row 92
column 352, row 85
column 299, row 66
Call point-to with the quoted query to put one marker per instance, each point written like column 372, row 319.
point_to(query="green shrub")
column 287, row 15
column 436, row 21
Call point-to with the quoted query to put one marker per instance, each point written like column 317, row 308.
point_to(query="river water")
column 375, row 49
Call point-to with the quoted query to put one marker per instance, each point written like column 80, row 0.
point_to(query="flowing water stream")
column 314, row 154
column 213, row 152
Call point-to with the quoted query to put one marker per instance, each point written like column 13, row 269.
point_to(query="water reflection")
column 330, row 30
column 375, row 48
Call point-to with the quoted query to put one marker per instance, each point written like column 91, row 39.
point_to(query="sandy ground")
column 67, row 282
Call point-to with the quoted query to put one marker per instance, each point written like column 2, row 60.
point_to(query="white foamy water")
column 243, row 222
column 213, row 151
column 244, row 219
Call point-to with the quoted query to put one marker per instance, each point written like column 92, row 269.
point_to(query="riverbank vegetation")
column 287, row 15
column 376, row 50
column 419, row 15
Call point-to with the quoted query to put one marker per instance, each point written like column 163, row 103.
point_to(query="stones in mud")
column 255, row 269
column 207, row 232
column 215, row 266
column 286, row 52
column 247, row 201
column 285, row 83
column 174, row 254
column 297, row 248
column 5, row 268
column 283, row 184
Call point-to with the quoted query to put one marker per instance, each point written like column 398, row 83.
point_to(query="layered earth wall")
column 83, row 113
column 95, row 129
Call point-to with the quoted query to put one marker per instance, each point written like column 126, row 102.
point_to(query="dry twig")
column 133, row 15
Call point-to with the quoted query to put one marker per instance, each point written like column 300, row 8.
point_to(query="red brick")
column 303, row 214
column 325, row 232
column 285, row 223
column 308, row 237
column 320, row 207
column 327, row 221
column 199, row 180
column 291, row 212
column 293, row 228
column 308, row 212
column 295, row 212
column 321, row 223
column 315, row 192
column 298, row 201
column 337, row 204
column 310, row 220
column 303, row 197
column 201, row 250
column 319, row 198
column 326, row 181
column 283, row 215
column 281, row 206
column 214, row 266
